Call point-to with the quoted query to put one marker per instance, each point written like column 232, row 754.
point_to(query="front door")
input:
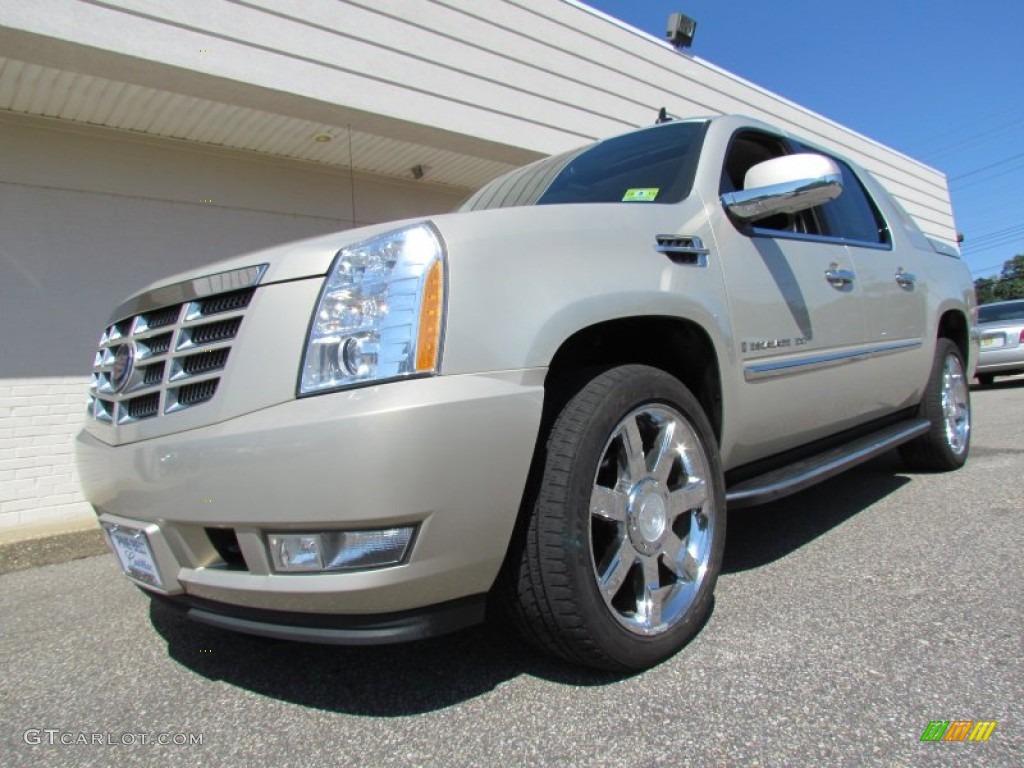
column 798, row 321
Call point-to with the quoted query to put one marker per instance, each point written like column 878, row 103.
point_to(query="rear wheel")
column 625, row 538
column 947, row 405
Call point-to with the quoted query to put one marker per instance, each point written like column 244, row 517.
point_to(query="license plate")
column 992, row 341
column 136, row 556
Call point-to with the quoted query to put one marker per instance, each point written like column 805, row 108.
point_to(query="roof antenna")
column 664, row 116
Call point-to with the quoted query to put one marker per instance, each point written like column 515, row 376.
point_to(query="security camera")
column 681, row 29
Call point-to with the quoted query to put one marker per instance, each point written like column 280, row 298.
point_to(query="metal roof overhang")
column 63, row 81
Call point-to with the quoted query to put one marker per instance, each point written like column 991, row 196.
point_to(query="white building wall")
column 89, row 216
column 537, row 76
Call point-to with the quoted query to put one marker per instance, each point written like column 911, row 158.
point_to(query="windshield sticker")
column 641, row 195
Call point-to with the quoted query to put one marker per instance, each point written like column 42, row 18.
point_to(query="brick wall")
column 39, row 418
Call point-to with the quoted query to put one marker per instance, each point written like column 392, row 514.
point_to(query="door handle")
column 905, row 279
column 839, row 278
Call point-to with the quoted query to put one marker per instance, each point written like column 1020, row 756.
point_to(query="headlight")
column 380, row 314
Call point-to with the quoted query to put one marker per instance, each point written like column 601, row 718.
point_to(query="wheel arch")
column 680, row 347
column 953, row 325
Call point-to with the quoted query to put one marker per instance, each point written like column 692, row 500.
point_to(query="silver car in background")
column 1001, row 325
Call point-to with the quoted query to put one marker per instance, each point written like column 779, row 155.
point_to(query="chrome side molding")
column 755, row 371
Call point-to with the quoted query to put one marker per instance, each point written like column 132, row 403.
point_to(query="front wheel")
column 625, row 537
column 947, row 405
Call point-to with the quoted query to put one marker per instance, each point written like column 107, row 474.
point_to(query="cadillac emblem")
column 124, row 364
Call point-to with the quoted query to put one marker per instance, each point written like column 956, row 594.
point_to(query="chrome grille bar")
column 166, row 358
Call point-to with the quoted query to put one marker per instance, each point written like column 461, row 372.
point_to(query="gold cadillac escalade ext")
column 549, row 397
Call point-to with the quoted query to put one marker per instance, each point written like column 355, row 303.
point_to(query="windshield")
column 992, row 313
column 654, row 165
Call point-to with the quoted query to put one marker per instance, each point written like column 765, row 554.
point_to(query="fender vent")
column 681, row 249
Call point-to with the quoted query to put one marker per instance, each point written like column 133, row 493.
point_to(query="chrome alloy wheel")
column 650, row 519
column 956, row 409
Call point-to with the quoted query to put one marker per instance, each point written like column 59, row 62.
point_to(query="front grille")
column 143, row 407
column 206, row 334
column 160, row 344
column 193, row 394
column 226, row 302
column 154, row 374
column 202, row 362
column 165, row 360
column 162, row 317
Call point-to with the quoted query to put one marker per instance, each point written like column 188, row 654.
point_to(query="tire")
column 985, row 379
column 624, row 540
column 947, row 405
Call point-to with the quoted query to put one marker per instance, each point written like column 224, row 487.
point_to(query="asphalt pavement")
column 848, row 618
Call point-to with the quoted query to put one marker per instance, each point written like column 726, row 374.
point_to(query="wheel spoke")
column 608, row 504
column 683, row 562
column 679, row 560
column 665, row 452
column 689, row 568
column 671, row 548
column 653, row 594
column 610, row 582
column 691, row 496
column 697, row 543
column 635, row 464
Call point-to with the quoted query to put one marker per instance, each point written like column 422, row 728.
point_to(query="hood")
column 469, row 234
column 289, row 261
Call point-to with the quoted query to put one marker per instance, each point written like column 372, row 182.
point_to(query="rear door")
column 892, row 280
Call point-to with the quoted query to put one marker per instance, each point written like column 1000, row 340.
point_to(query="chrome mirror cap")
column 787, row 184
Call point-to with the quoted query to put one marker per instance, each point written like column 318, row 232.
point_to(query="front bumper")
column 448, row 454
column 328, row 629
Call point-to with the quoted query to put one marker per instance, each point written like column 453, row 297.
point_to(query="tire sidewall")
column 945, row 349
column 644, row 386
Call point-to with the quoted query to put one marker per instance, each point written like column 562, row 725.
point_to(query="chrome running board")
column 809, row 471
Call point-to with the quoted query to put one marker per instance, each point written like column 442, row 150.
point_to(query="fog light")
column 339, row 550
column 296, row 552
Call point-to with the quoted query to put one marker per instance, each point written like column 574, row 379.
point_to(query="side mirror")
column 786, row 184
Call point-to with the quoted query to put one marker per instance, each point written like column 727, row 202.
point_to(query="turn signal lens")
column 429, row 339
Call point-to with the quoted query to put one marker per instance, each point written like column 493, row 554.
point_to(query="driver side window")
column 748, row 148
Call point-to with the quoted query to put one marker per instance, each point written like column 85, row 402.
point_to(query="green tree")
column 985, row 289
column 1009, row 284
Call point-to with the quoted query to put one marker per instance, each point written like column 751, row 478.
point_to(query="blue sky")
column 939, row 80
